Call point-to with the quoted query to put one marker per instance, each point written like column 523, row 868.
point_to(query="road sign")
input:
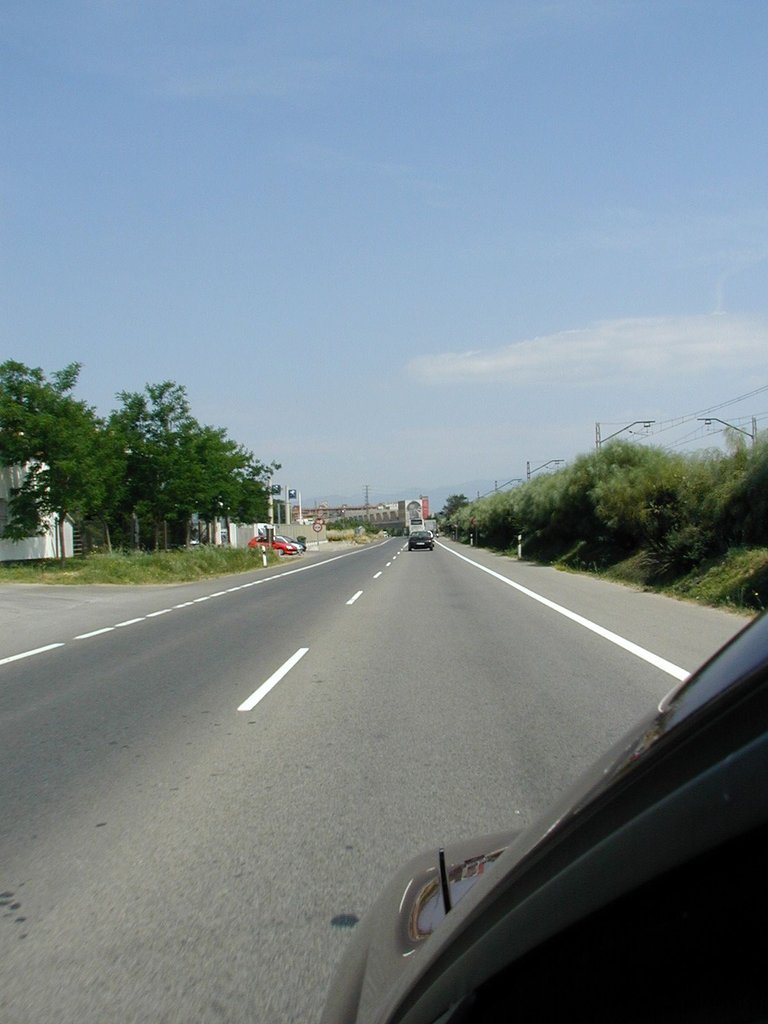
column 318, row 525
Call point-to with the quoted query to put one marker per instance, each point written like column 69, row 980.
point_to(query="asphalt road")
column 203, row 786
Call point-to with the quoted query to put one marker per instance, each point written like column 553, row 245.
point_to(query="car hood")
column 406, row 932
column 391, row 939
column 404, row 916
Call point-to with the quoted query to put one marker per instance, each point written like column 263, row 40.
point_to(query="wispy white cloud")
column 608, row 350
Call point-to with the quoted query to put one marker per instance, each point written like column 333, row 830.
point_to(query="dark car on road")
column 643, row 896
column 421, row 539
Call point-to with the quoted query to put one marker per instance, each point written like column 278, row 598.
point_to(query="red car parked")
column 283, row 547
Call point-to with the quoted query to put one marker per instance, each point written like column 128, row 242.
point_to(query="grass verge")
column 135, row 567
column 351, row 536
column 738, row 580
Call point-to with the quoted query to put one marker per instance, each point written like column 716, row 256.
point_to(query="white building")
column 45, row 545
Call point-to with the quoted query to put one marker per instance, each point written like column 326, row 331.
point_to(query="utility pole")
column 271, row 506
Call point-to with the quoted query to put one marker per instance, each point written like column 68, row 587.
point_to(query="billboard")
column 414, row 515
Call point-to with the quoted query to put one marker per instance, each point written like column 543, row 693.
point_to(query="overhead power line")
column 664, row 426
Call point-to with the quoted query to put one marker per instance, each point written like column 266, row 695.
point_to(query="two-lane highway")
column 204, row 786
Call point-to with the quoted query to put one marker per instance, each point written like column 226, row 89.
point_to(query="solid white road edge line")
column 274, row 679
column 639, row 652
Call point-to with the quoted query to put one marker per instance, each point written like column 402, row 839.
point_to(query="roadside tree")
column 56, row 439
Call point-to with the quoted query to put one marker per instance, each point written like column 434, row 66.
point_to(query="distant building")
column 393, row 514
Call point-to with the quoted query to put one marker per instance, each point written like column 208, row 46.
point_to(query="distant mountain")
column 470, row 488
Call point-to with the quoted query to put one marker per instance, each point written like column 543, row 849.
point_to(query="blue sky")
column 408, row 245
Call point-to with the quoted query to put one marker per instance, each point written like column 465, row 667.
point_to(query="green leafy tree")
column 55, row 440
column 158, row 433
column 178, row 469
column 113, row 465
column 252, row 495
column 231, row 483
column 453, row 503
